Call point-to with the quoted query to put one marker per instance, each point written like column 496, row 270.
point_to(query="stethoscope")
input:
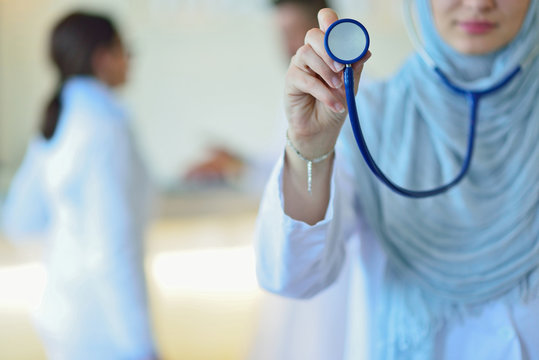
column 347, row 41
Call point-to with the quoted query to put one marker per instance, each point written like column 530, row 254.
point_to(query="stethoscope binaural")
column 347, row 41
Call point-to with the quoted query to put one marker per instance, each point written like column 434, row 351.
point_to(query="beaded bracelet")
column 310, row 162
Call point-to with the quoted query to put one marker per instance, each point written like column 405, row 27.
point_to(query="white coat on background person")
column 86, row 191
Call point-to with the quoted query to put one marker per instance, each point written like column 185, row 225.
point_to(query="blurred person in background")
column 293, row 19
column 83, row 187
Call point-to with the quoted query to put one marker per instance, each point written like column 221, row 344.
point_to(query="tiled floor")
column 203, row 291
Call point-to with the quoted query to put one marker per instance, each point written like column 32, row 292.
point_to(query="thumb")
column 326, row 17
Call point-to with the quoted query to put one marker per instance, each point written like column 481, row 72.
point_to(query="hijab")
column 478, row 242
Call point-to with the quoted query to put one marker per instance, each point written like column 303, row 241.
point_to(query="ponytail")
column 52, row 115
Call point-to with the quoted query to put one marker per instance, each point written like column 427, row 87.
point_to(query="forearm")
column 295, row 259
column 299, row 203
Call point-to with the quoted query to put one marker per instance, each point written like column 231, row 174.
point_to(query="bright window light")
column 22, row 286
column 213, row 272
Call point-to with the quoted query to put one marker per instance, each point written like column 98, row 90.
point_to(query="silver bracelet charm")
column 310, row 162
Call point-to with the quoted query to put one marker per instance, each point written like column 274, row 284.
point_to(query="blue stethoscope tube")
column 473, row 100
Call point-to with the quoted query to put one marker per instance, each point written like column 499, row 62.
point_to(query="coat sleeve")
column 25, row 213
column 295, row 259
column 114, row 228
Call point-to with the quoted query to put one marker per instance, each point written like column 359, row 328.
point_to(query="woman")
column 454, row 276
column 83, row 185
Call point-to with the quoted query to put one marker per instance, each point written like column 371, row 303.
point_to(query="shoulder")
column 37, row 147
column 91, row 113
column 89, row 100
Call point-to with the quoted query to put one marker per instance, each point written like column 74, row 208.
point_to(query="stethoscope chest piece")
column 346, row 41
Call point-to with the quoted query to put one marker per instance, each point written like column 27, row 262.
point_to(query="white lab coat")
column 87, row 192
column 314, row 328
column 297, row 260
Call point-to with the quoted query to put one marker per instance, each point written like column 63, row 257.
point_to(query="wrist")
column 312, row 146
column 309, row 161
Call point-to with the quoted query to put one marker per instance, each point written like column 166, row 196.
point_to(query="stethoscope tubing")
column 473, row 99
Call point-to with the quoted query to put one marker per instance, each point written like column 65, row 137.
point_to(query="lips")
column 476, row 27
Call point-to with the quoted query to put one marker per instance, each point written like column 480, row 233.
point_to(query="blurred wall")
column 203, row 71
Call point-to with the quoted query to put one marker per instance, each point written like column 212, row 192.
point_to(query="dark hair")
column 310, row 6
column 72, row 44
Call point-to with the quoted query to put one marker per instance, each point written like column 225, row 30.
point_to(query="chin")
column 474, row 48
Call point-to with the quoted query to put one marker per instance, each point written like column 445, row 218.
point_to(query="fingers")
column 309, row 61
column 315, row 38
column 313, row 58
column 357, row 68
column 326, row 17
column 310, row 74
column 314, row 72
column 300, row 82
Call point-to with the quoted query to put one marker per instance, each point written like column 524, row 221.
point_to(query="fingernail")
column 339, row 108
column 338, row 66
column 336, row 82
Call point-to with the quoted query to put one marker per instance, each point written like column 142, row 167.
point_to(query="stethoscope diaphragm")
column 347, row 41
